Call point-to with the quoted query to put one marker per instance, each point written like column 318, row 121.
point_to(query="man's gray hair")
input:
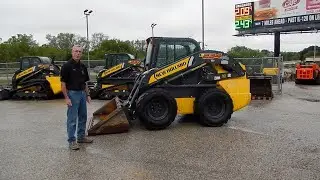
column 76, row 45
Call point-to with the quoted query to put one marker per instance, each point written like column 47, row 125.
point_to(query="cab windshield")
column 46, row 60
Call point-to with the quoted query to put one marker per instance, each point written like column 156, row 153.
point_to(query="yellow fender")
column 55, row 84
column 237, row 88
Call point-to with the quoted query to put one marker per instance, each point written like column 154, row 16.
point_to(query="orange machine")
column 307, row 72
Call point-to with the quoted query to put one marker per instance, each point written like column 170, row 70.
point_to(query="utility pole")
column 202, row 24
column 87, row 13
column 314, row 52
column 314, row 48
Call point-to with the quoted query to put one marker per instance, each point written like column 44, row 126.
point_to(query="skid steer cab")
column 179, row 78
column 117, row 77
column 37, row 78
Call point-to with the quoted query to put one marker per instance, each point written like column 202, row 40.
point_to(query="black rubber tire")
column 317, row 81
column 4, row 94
column 207, row 101
column 148, row 115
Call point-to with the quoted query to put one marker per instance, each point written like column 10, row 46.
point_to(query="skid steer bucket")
column 109, row 119
column 261, row 87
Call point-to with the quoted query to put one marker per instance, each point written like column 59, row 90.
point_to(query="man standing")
column 74, row 78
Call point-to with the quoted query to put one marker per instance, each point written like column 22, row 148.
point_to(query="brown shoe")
column 74, row 145
column 85, row 140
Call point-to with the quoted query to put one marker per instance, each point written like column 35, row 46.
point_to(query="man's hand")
column 89, row 99
column 68, row 102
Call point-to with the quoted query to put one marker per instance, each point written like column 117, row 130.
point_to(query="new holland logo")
column 170, row 69
column 112, row 70
column 26, row 72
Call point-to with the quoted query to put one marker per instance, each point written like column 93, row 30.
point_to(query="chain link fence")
column 6, row 72
column 269, row 66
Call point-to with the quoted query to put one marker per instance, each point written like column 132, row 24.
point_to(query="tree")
column 17, row 46
column 308, row 52
column 64, row 42
column 244, row 52
column 112, row 46
column 97, row 39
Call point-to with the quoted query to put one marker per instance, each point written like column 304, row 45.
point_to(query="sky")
column 131, row 20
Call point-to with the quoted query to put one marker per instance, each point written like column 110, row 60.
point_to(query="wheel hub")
column 215, row 108
column 157, row 109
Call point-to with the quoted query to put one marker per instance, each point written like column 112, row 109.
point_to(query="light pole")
column 87, row 13
column 314, row 49
column 202, row 24
column 152, row 26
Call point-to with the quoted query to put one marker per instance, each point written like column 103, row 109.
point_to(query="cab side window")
column 110, row 61
column 123, row 58
column 165, row 55
column 25, row 64
column 170, row 52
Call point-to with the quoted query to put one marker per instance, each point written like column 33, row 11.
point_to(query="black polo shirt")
column 75, row 75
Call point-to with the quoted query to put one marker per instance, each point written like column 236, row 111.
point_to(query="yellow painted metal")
column 169, row 70
column 270, row 71
column 25, row 72
column 185, row 105
column 239, row 91
column 112, row 70
column 55, row 84
column 104, row 86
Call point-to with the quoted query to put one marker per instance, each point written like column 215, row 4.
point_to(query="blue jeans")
column 78, row 110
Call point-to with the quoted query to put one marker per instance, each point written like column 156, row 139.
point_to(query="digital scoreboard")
column 244, row 16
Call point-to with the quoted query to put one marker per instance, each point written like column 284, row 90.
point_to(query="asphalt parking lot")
column 278, row 139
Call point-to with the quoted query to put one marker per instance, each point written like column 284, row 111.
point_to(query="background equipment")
column 307, row 73
column 179, row 78
column 37, row 78
column 266, row 76
column 117, row 78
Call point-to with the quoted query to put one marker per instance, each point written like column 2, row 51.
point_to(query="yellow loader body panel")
column 237, row 88
column 185, row 105
column 55, row 84
column 104, row 86
column 239, row 91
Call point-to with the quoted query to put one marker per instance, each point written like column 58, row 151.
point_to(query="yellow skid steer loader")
column 179, row 78
column 117, row 78
column 37, row 78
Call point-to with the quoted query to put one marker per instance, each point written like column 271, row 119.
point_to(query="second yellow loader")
column 179, row 78
column 37, row 78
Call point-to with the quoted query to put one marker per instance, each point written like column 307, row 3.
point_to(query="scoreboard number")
column 243, row 16
column 243, row 11
column 243, row 24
